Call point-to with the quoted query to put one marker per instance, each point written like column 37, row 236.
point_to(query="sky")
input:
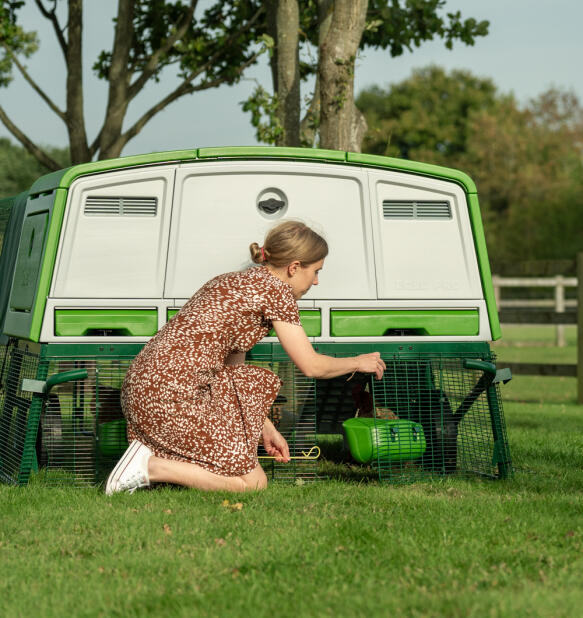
column 533, row 45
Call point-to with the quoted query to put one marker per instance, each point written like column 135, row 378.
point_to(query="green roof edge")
column 63, row 178
column 271, row 151
column 405, row 165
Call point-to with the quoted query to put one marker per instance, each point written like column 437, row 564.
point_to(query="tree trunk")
column 311, row 121
column 111, row 143
column 339, row 124
column 283, row 18
column 79, row 148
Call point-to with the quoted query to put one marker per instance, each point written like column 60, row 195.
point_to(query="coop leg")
column 501, row 454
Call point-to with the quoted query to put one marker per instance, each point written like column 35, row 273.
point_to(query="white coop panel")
column 221, row 208
column 115, row 237
column 422, row 239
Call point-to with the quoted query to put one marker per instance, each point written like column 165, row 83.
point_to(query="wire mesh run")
column 77, row 432
column 17, row 364
column 294, row 415
column 429, row 415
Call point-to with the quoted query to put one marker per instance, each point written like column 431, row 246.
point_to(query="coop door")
column 221, row 208
column 30, row 253
column 422, row 239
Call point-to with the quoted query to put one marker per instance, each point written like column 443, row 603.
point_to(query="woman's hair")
column 287, row 242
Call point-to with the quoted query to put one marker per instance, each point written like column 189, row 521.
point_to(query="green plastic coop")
column 97, row 257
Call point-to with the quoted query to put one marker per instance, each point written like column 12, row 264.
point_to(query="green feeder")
column 383, row 439
column 111, row 438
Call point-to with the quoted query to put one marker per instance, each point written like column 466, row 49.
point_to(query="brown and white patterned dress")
column 179, row 397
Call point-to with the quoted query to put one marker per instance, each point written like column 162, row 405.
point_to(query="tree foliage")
column 19, row 169
column 393, row 25
column 151, row 38
column 527, row 160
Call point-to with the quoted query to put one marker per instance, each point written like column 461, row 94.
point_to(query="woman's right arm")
column 314, row 365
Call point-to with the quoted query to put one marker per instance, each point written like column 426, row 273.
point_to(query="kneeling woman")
column 195, row 411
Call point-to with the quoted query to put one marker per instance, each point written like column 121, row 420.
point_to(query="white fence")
column 560, row 303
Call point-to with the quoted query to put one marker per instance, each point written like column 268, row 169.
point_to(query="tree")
column 427, row 116
column 395, row 25
column 20, row 169
column 151, row 37
column 526, row 160
column 528, row 165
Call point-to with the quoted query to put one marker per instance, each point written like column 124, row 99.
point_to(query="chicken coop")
column 98, row 257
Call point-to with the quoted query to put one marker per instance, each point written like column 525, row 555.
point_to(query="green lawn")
column 449, row 547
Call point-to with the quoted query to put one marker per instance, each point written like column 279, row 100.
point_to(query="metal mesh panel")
column 17, row 363
column 294, row 415
column 82, row 429
column 431, row 415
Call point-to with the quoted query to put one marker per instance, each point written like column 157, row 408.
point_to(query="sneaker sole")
column 121, row 467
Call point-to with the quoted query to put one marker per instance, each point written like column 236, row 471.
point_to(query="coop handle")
column 65, row 376
column 484, row 366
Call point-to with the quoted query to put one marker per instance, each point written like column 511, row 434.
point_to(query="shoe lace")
column 132, row 482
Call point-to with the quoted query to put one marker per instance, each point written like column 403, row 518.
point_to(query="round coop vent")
column 272, row 203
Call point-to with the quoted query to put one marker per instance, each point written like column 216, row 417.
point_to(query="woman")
column 195, row 411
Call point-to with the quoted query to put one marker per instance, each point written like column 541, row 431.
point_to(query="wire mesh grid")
column 82, row 431
column 17, row 363
column 294, row 415
column 431, row 414
column 78, row 431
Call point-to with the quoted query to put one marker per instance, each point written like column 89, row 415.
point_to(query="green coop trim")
column 271, row 152
column 484, row 265
column 311, row 320
column 124, row 322
column 373, row 323
column 415, row 167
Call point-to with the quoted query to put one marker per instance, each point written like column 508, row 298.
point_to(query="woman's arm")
column 314, row 365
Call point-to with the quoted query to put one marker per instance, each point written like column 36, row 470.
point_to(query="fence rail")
column 560, row 303
column 558, row 311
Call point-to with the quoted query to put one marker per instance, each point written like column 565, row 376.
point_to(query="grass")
column 347, row 547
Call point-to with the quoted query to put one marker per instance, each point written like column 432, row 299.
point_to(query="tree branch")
column 33, row 84
column 39, row 154
column 185, row 87
column 154, row 59
column 217, row 54
column 52, row 17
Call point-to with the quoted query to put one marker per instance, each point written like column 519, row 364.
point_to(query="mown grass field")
column 335, row 548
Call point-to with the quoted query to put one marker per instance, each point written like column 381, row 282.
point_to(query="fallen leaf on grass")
column 220, row 542
column 167, row 529
column 237, row 506
column 570, row 533
column 169, row 511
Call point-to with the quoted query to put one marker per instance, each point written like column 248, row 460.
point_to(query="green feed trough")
column 98, row 257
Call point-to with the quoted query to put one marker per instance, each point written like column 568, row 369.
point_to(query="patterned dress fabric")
column 179, row 397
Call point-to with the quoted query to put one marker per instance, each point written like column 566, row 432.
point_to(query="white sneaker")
column 131, row 471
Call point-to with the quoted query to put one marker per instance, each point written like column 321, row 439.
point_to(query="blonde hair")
column 287, row 242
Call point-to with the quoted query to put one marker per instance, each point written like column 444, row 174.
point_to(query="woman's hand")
column 371, row 363
column 274, row 443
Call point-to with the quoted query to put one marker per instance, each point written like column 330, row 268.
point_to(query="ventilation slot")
column 416, row 210
column 121, row 206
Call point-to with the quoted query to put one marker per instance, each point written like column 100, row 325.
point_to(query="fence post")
column 560, row 308
column 497, row 295
column 580, row 328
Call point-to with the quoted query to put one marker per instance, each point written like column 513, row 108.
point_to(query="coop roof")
column 63, row 178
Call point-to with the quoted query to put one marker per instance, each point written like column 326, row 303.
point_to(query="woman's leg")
column 190, row 475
